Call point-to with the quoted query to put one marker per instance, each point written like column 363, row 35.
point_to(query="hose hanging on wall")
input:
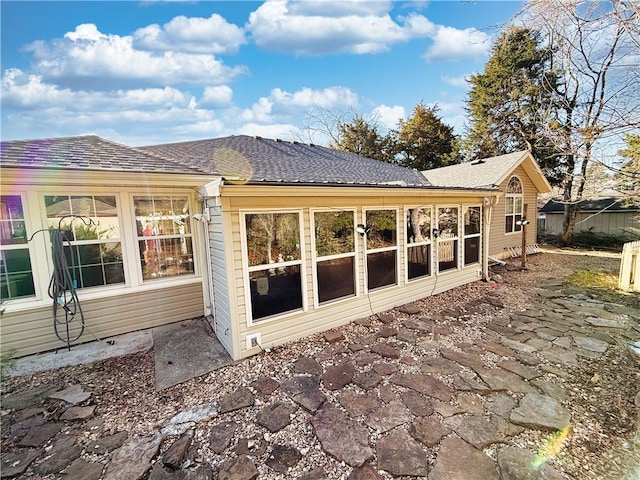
column 62, row 287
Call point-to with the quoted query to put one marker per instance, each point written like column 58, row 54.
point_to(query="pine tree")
column 511, row 102
column 424, row 141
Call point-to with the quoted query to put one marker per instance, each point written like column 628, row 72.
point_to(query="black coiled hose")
column 62, row 290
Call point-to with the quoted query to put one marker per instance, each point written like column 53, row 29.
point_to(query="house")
column 607, row 217
column 519, row 177
column 271, row 240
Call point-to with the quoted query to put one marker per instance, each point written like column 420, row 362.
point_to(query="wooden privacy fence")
column 629, row 278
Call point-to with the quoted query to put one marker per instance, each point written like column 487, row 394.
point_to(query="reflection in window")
column 274, row 259
column 164, row 235
column 472, row 238
column 381, row 248
column 335, row 254
column 16, row 277
column 418, row 243
column 513, row 204
column 448, row 239
column 90, row 226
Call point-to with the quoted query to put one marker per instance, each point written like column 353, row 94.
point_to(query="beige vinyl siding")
column 32, row 331
column 302, row 323
column 499, row 241
column 222, row 305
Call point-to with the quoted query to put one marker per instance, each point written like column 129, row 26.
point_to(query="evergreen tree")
column 424, row 141
column 363, row 138
column 511, row 102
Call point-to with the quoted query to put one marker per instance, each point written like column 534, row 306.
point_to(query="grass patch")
column 594, row 279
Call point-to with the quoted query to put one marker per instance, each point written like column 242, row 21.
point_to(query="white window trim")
column 40, row 246
column 513, row 215
column 408, row 245
column 134, row 249
column 315, row 258
column 439, row 241
column 246, row 269
column 473, row 235
column 395, row 248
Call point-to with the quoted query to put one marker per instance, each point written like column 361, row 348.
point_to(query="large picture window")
column 16, row 277
column 90, row 226
column 335, row 254
column 448, row 238
column 513, row 204
column 382, row 248
column 418, row 243
column 472, row 236
column 274, row 260
column 164, row 235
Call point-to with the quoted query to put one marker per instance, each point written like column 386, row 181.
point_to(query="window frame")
column 75, row 243
column 27, row 246
column 247, row 270
column 394, row 248
column 315, row 258
column 427, row 242
column 455, row 239
column 512, row 197
column 477, row 235
column 139, row 237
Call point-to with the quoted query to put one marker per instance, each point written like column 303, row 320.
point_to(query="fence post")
column 629, row 278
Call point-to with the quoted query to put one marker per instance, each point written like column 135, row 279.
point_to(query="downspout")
column 210, row 191
column 489, row 203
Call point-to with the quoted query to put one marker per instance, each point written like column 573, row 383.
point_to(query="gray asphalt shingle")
column 484, row 173
column 87, row 152
column 257, row 159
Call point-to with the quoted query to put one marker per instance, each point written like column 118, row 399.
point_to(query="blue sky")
column 152, row 72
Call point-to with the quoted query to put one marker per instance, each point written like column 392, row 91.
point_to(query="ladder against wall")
column 629, row 278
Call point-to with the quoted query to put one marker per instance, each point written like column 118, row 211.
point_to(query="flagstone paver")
column 391, row 400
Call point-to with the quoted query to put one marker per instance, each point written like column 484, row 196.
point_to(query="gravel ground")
column 601, row 446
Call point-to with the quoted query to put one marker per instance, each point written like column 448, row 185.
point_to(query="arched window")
column 513, row 205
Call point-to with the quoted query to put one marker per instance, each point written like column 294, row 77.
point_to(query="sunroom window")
column 274, row 263
column 16, row 277
column 382, row 248
column 418, row 243
column 335, row 254
column 448, row 238
column 164, row 235
column 91, row 229
column 472, row 237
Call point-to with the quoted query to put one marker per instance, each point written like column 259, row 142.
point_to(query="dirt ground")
column 602, row 392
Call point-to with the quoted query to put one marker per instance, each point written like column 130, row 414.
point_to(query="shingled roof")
column 488, row 172
column 261, row 160
column 87, row 152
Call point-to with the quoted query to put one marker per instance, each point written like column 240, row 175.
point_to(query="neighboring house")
column 271, row 240
column 519, row 177
column 601, row 217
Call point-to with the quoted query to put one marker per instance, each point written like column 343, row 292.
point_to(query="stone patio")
column 438, row 424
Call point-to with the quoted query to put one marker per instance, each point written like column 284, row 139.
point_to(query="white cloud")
column 388, row 116
column 460, row 81
column 217, row 96
column 92, row 59
column 212, row 35
column 453, row 44
column 326, row 98
column 284, row 131
column 307, row 28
